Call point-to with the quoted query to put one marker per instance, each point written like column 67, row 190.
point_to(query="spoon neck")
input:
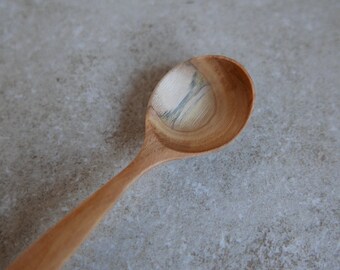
column 152, row 153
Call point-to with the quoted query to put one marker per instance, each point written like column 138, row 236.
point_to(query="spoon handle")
column 61, row 241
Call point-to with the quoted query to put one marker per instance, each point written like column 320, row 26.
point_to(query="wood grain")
column 227, row 105
column 199, row 106
column 184, row 99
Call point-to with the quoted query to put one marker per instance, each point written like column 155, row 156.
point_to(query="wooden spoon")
column 199, row 106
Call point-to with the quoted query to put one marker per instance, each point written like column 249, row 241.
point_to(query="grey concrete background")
column 75, row 78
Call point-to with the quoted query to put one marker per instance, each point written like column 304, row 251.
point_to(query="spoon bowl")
column 199, row 106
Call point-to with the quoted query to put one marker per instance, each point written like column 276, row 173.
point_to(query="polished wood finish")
column 223, row 95
column 199, row 106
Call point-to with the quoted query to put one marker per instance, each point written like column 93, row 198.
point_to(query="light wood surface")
column 209, row 107
column 199, row 106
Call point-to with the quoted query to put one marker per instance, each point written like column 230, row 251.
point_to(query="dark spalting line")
column 195, row 87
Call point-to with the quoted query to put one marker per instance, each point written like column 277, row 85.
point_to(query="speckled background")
column 75, row 78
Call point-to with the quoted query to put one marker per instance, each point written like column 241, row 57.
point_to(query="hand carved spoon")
column 199, row 106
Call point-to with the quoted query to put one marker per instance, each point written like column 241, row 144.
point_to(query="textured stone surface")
column 75, row 78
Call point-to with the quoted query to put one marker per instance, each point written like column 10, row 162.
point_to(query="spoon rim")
column 252, row 94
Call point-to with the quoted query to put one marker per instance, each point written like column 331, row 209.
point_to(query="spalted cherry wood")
column 199, row 106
